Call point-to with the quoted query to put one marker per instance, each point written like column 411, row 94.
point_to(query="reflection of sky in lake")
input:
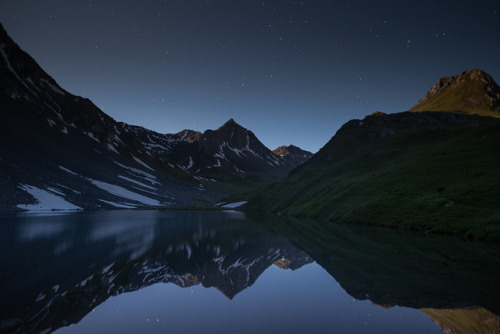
column 34, row 230
column 122, row 271
column 307, row 300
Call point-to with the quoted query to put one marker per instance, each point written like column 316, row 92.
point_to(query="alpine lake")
column 231, row 272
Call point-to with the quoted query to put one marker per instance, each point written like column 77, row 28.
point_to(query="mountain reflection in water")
column 59, row 268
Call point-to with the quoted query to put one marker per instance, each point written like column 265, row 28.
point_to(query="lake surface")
column 227, row 272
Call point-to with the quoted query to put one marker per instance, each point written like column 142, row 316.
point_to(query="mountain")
column 59, row 151
column 471, row 91
column 295, row 155
column 231, row 153
column 433, row 171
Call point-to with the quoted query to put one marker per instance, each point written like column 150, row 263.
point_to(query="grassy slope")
column 468, row 96
column 404, row 181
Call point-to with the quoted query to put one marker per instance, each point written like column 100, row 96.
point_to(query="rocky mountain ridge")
column 472, row 91
column 61, row 151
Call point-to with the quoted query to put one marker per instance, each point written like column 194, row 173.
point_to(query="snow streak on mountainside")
column 51, row 139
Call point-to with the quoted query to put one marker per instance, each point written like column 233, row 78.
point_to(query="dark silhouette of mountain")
column 391, row 267
column 428, row 170
column 231, row 153
column 60, row 151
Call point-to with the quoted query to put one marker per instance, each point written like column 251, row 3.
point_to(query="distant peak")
column 230, row 124
column 472, row 91
column 464, row 77
column 189, row 135
column 290, row 149
column 286, row 147
column 475, row 74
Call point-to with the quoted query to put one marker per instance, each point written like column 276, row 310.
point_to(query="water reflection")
column 64, row 266
column 58, row 268
column 473, row 320
column 391, row 267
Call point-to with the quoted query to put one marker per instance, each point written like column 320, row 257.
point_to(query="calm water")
column 225, row 272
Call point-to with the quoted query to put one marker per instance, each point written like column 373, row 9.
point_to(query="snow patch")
column 191, row 163
column 84, row 282
column 220, row 155
column 142, row 163
column 249, row 149
column 111, row 148
column 56, row 191
column 54, row 88
column 106, row 269
column 136, row 182
column 143, row 190
column 40, row 297
column 149, row 177
column 233, row 205
column 32, row 83
column 119, row 205
column 91, row 135
column 9, row 66
column 46, row 201
column 124, row 193
column 73, row 190
column 67, row 170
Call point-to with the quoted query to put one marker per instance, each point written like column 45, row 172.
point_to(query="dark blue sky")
column 291, row 71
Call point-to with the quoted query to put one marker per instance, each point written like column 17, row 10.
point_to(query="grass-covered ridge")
column 437, row 172
column 472, row 91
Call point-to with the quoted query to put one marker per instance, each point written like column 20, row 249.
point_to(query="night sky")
column 291, row 71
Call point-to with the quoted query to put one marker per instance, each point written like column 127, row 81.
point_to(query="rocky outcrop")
column 471, row 91
column 295, row 155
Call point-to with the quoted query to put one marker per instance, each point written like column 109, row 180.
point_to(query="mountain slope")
column 433, row 171
column 295, row 155
column 232, row 153
column 471, row 91
column 59, row 151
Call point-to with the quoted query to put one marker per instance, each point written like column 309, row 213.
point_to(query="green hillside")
column 433, row 171
column 472, row 91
